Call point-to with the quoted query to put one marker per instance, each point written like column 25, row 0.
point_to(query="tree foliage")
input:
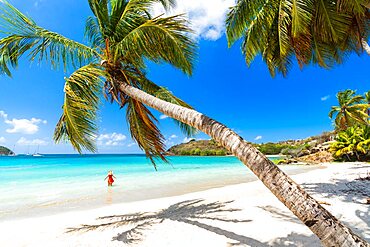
column 122, row 36
column 352, row 123
column 352, row 110
column 352, row 144
column 312, row 31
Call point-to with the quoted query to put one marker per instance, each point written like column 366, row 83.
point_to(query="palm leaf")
column 93, row 33
column 77, row 123
column 22, row 35
column 144, row 130
column 255, row 39
column 160, row 39
column 100, row 10
column 241, row 16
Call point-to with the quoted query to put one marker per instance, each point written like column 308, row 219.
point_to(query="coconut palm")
column 351, row 110
column 123, row 35
column 312, row 31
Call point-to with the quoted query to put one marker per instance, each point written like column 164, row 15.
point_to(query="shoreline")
column 122, row 193
column 189, row 219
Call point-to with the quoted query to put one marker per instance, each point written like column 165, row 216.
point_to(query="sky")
column 248, row 100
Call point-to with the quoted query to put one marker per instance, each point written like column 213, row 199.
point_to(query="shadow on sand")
column 192, row 212
column 347, row 191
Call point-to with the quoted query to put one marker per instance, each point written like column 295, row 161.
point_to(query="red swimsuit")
column 110, row 179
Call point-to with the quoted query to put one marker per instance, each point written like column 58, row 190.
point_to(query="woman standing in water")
column 110, row 177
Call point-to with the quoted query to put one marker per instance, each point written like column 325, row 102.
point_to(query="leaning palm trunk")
column 330, row 231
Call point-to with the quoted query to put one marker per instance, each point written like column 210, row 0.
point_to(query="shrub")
column 352, row 144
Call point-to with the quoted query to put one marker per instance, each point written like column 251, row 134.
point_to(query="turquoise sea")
column 32, row 186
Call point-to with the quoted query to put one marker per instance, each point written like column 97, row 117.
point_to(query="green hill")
column 290, row 148
column 199, row 148
column 5, row 151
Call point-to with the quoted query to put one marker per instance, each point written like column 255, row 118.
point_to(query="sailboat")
column 37, row 154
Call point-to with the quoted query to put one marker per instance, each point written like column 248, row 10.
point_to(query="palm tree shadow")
column 295, row 239
column 188, row 212
column 365, row 217
column 280, row 214
column 347, row 191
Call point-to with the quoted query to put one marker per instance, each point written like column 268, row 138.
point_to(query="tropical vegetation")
column 289, row 148
column 352, row 144
column 121, row 34
column 352, row 110
column 353, row 126
column 122, row 37
column 319, row 32
column 199, row 148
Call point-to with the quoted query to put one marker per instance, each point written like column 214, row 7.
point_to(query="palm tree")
column 313, row 31
column 351, row 110
column 122, row 35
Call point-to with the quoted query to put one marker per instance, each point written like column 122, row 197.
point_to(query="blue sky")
column 247, row 100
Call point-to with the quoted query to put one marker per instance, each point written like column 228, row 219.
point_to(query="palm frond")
column 93, row 33
column 145, row 6
column 144, row 131
column 101, row 12
column 367, row 97
column 356, row 6
column 23, row 35
column 160, row 39
column 276, row 57
column 241, row 16
column 123, row 13
column 77, row 123
column 255, row 39
column 315, row 31
column 284, row 23
column 355, row 100
column 302, row 12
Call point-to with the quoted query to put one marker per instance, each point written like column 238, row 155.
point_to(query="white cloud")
column 112, row 143
column 163, row 117
column 36, row 142
column 325, row 98
column 24, row 126
column 3, row 115
column 170, row 144
column 258, row 138
column 37, row 2
column 187, row 139
column 207, row 17
column 111, row 139
column 2, row 140
column 172, row 137
column 131, row 144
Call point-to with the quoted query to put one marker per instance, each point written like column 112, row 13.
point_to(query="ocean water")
column 33, row 186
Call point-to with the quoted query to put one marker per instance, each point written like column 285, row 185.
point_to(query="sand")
column 236, row 215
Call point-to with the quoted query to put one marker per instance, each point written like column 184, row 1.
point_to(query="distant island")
column 4, row 151
column 313, row 149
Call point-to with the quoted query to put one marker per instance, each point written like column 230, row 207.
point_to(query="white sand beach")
column 236, row 215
